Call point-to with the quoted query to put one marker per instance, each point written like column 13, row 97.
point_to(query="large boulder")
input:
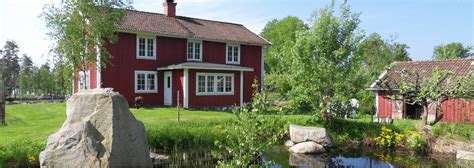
column 302, row 134
column 307, row 147
column 99, row 131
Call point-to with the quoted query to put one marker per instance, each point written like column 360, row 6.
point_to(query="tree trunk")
column 439, row 115
column 424, row 116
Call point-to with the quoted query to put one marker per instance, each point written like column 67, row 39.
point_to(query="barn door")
column 168, row 96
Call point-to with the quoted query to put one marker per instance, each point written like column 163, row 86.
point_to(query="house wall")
column 384, row 104
column 458, row 110
column 120, row 72
column 455, row 110
column 199, row 101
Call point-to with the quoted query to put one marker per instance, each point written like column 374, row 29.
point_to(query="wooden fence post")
column 177, row 104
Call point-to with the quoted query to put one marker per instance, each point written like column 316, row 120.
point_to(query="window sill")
column 146, row 58
column 214, row 94
column 233, row 63
column 155, row 91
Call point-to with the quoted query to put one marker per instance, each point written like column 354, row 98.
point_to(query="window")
column 82, row 85
column 146, row 47
column 233, row 54
column 145, row 82
column 214, row 84
column 194, row 51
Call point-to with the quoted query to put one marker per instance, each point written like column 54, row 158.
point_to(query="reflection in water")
column 279, row 157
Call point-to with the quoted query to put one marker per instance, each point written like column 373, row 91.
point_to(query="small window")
column 215, row 84
column 146, row 47
column 145, row 82
column 233, row 54
column 194, row 51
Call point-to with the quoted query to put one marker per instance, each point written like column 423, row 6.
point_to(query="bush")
column 21, row 153
column 454, row 131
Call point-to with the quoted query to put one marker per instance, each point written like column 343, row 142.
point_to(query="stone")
column 159, row 159
column 465, row 155
column 302, row 134
column 289, row 143
column 99, row 131
column 305, row 160
column 307, row 147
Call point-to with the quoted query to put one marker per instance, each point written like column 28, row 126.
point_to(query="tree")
column 325, row 70
column 11, row 68
column 451, row 51
column 434, row 90
column 82, row 28
column 282, row 34
column 26, row 75
column 377, row 55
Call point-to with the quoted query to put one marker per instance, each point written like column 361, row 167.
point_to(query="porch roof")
column 205, row 66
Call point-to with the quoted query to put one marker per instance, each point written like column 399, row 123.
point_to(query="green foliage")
column 388, row 138
column 81, row 29
column 21, row 153
column 250, row 135
column 451, row 51
column 324, row 68
column 454, row 131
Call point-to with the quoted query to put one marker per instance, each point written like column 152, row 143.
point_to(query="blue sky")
column 422, row 24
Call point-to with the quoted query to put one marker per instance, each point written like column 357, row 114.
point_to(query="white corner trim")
column 376, row 104
column 378, row 79
column 262, row 69
column 185, row 88
column 98, row 70
column 241, row 88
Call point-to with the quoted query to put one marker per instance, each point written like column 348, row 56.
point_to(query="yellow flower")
column 218, row 126
column 31, row 158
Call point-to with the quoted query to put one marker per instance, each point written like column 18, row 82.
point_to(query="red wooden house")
column 391, row 105
column 210, row 63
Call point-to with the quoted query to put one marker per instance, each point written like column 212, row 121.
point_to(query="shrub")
column 454, row 131
column 21, row 153
column 389, row 138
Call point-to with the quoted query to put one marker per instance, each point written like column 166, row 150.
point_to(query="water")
column 279, row 157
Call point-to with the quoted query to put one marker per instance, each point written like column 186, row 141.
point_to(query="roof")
column 391, row 78
column 206, row 66
column 186, row 27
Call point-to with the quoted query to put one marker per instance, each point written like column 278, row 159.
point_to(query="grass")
column 28, row 127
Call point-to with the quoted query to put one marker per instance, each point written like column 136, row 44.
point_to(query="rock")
column 465, row 155
column 302, row 134
column 289, row 143
column 303, row 160
column 428, row 129
column 159, row 159
column 99, row 131
column 307, row 147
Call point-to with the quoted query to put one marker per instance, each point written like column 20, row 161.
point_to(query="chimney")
column 170, row 8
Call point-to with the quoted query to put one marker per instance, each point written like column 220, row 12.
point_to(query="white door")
column 168, row 88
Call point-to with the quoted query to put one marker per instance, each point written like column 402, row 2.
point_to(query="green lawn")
column 37, row 121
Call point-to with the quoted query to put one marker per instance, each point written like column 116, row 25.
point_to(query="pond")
column 279, row 157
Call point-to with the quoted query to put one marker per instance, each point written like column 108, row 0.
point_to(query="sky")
column 421, row 24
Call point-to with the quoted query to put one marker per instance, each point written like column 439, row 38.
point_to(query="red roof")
column 186, row 27
column 391, row 79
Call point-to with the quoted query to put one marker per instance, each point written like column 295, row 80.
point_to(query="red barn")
column 209, row 63
column 391, row 105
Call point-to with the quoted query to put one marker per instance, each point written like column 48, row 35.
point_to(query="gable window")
column 233, row 54
column 194, row 51
column 214, row 84
column 146, row 47
column 84, row 77
column 145, row 82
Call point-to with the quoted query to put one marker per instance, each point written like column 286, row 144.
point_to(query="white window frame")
column 80, row 85
column 194, row 45
column 227, row 54
column 146, row 37
column 206, row 93
column 146, row 83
